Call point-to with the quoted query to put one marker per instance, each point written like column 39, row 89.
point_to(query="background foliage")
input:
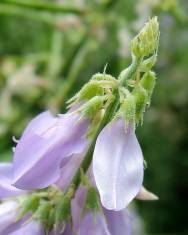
column 48, row 49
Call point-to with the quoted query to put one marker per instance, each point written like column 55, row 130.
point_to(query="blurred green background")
column 48, row 49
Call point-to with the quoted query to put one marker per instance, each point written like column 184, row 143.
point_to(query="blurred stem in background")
column 55, row 58
column 73, row 67
column 48, row 6
column 45, row 17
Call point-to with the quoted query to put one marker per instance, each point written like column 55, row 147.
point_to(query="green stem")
column 77, row 65
column 48, row 6
column 45, row 17
column 109, row 4
column 129, row 72
column 30, row 58
column 55, row 59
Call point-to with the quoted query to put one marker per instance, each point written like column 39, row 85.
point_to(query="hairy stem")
column 129, row 72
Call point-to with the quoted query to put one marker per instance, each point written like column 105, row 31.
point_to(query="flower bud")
column 51, row 219
column 30, row 203
column 103, row 76
column 95, row 87
column 141, row 99
column 147, row 64
column 92, row 199
column 63, row 210
column 43, row 212
column 148, row 83
column 89, row 90
column 128, row 109
column 91, row 107
column 146, row 42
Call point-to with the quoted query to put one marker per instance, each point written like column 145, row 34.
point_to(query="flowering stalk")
column 90, row 151
column 123, row 78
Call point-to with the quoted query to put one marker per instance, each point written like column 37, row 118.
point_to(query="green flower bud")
column 90, row 90
column 141, row 98
column 30, row 203
column 92, row 107
column 51, row 219
column 148, row 83
column 146, row 42
column 92, row 199
column 102, row 77
column 147, row 64
column 128, row 109
column 63, row 210
column 43, row 212
column 95, row 87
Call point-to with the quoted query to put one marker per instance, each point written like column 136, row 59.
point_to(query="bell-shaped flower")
column 6, row 189
column 44, row 146
column 117, row 165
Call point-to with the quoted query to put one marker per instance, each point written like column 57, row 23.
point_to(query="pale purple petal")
column 8, row 217
column 119, row 222
column 30, row 228
column 68, row 231
column 6, row 189
column 39, row 153
column 69, row 170
column 41, row 123
column 93, row 225
column 117, row 165
column 77, row 206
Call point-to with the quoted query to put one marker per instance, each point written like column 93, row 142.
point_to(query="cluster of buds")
column 77, row 172
column 136, row 94
column 146, row 42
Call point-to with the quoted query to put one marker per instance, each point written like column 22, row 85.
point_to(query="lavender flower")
column 75, row 161
column 117, row 165
column 43, row 147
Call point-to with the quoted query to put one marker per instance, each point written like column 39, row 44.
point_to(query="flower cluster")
column 77, row 172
